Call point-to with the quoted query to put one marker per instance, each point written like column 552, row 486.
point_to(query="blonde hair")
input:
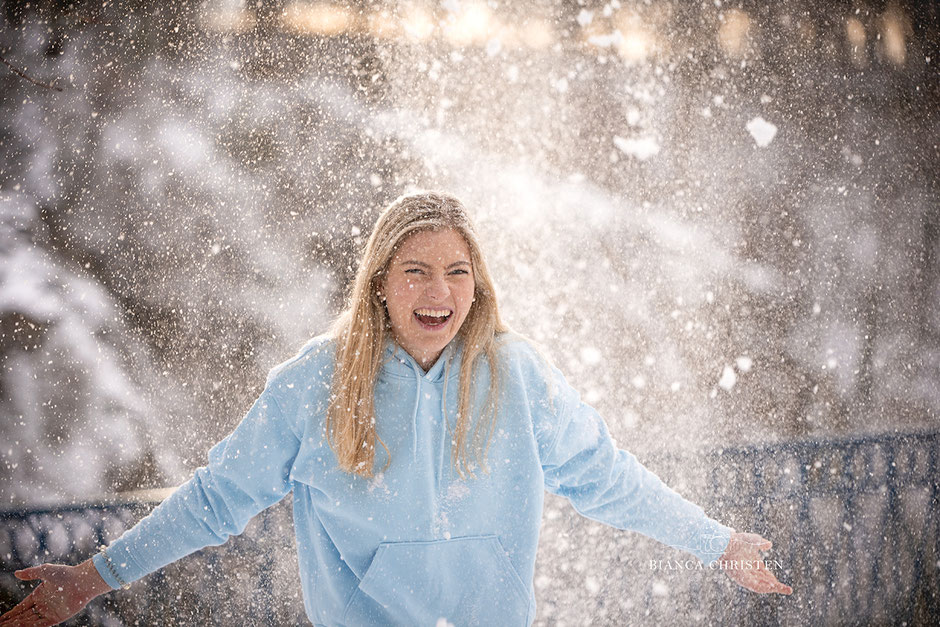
column 361, row 331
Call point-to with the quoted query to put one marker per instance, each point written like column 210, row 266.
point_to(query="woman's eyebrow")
column 413, row 262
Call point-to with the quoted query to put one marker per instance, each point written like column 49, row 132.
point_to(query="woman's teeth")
column 437, row 313
column 432, row 316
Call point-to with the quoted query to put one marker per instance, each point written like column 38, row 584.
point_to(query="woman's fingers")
column 61, row 594
column 28, row 614
column 757, row 577
column 19, row 611
column 28, row 574
column 763, row 582
column 753, row 582
column 774, row 583
column 25, row 619
column 32, row 619
column 40, row 619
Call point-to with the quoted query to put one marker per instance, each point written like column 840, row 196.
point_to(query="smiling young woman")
column 441, row 521
column 417, row 242
column 428, row 289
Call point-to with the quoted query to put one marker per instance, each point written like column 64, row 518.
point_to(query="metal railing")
column 251, row 580
column 858, row 524
column 854, row 524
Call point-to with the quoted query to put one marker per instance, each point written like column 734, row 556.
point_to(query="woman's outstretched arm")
column 582, row 463
column 63, row 593
column 246, row 472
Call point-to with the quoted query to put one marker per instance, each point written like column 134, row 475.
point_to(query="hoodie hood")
column 430, row 390
column 399, row 364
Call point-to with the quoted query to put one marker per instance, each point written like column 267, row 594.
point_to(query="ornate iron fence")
column 251, row 580
column 859, row 541
column 857, row 521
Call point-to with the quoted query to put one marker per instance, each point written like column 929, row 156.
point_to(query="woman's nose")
column 437, row 288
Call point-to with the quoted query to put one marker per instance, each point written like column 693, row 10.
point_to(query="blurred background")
column 721, row 219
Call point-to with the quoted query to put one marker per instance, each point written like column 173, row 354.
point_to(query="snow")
column 172, row 224
column 66, row 314
column 762, row 131
column 660, row 589
column 612, row 39
column 184, row 146
column 590, row 355
column 641, row 148
column 493, row 47
column 728, row 378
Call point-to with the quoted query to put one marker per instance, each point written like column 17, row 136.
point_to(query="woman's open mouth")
column 432, row 318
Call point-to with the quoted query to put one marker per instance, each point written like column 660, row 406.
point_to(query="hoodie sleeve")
column 246, row 473
column 581, row 463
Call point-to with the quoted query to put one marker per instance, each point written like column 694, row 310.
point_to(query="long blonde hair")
column 362, row 329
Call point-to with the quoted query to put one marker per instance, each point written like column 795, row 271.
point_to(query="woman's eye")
column 459, row 271
column 413, row 271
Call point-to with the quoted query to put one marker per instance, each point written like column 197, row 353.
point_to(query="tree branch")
column 26, row 76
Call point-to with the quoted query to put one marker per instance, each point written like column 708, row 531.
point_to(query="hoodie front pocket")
column 467, row 581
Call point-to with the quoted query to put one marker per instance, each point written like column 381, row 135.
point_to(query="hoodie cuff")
column 114, row 572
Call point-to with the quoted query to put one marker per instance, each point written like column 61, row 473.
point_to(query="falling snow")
column 719, row 223
column 762, row 131
column 641, row 148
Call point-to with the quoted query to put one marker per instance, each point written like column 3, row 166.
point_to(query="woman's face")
column 428, row 291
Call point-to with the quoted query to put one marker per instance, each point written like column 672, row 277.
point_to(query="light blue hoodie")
column 416, row 543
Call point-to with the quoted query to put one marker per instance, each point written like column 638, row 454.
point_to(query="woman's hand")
column 64, row 591
column 743, row 564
